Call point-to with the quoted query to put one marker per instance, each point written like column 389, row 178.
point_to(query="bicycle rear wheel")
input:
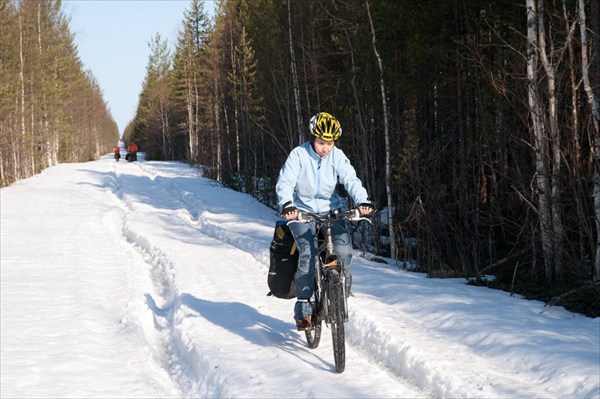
column 337, row 313
column 313, row 336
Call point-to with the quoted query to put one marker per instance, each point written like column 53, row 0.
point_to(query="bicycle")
column 330, row 298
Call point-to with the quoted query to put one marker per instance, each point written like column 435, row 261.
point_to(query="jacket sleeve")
column 288, row 178
column 352, row 184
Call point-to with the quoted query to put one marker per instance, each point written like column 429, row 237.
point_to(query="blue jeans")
column 306, row 240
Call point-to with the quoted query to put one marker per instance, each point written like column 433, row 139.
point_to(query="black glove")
column 288, row 207
column 366, row 205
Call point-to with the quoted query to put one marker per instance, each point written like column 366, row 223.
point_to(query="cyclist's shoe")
column 304, row 324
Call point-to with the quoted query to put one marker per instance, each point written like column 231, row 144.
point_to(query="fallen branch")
column 499, row 262
column 557, row 299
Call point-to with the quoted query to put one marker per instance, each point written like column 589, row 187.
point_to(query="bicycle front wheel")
column 337, row 314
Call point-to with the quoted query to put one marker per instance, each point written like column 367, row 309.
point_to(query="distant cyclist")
column 117, row 152
column 307, row 181
column 132, row 150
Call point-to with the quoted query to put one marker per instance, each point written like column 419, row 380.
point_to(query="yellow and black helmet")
column 325, row 127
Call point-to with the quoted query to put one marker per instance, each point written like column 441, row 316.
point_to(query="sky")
column 146, row 279
column 112, row 38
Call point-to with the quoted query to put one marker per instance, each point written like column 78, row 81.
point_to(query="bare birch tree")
column 295, row 83
column 594, row 103
column 19, row 153
column 539, row 139
column 577, row 165
column 187, row 69
column 388, row 172
column 554, row 142
column 157, row 76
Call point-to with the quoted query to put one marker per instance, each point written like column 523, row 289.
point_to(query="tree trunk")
column 555, row 143
column 388, row 173
column 191, row 120
column 295, row 77
column 583, row 228
column 217, row 130
column 20, row 143
column 235, row 94
column 540, row 141
column 594, row 102
column 163, row 109
column 192, row 157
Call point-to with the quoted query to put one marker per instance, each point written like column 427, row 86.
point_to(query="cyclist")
column 307, row 181
column 117, row 152
column 132, row 150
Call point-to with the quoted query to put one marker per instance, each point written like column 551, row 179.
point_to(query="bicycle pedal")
column 303, row 325
column 307, row 328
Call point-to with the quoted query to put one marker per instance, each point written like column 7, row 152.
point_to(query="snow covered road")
column 147, row 280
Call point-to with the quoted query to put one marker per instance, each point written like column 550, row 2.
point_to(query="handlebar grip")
column 303, row 217
column 354, row 215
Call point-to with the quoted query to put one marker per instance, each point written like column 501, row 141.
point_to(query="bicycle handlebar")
column 352, row 215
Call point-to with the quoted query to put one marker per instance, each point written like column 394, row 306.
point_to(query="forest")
column 51, row 109
column 473, row 124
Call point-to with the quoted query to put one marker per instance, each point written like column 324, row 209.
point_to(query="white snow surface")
column 148, row 280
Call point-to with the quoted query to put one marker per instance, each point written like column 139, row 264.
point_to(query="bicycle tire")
column 337, row 314
column 313, row 336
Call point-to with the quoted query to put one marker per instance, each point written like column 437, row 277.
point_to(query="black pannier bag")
column 284, row 262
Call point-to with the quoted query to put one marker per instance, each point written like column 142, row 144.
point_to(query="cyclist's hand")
column 365, row 208
column 291, row 215
column 290, row 212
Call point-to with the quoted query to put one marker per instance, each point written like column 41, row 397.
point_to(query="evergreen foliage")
column 468, row 167
column 51, row 109
column 463, row 161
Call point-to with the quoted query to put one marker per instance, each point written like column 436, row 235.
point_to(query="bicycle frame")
column 330, row 286
column 326, row 258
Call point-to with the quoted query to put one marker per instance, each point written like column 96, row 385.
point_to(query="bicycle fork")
column 324, row 264
column 323, row 281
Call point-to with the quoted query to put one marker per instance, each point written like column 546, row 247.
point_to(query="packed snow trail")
column 215, row 220
column 211, row 328
column 67, row 292
column 185, row 262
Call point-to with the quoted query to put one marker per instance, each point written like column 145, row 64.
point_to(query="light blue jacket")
column 309, row 181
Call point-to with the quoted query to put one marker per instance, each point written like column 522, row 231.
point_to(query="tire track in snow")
column 402, row 358
column 183, row 361
column 177, row 352
column 155, row 328
column 364, row 333
column 200, row 216
column 196, row 207
column 385, row 346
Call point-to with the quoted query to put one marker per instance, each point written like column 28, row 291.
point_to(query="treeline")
column 51, row 109
column 473, row 123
